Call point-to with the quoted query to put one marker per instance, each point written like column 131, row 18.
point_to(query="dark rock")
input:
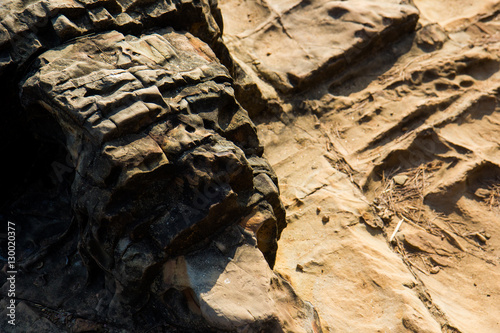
column 59, row 21
column 155, row 181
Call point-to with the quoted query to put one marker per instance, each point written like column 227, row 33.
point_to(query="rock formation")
column 286, row 47
column 400, row 140
column 178, row 213
column 146, row 200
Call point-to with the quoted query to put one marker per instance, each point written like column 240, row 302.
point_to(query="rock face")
column 29, row 28
column 141, row 110
column 163, row 152
column 178, row 213
column 285, row 47
column 143, row 201
column 389, row 171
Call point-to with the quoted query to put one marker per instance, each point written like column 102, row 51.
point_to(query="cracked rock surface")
column 158, row 211
column 366, row 197
column 281, row 48
column 389, row 166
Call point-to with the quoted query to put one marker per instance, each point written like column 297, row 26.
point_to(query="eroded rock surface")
column 285, row 47
column 170, row 214
column 28, row 28
column 146, row 189
column 405, row 143
column 161, row 149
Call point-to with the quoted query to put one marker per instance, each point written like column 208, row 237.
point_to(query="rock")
column 421, row 241
column 165, row 161
column 343, row 264
column 253, row 296
column 423, row 106
column 431, row 37
column 413, row 108
column 275, row 54
column 435, row 270
column 400, row 180
column 55, row 22
column 64, row 28
column 143, row 200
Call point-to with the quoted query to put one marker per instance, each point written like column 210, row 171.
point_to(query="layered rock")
column 285, row 47
column 390, row 177
column 165, row 159
column 165, row 216
column 29, row 29
column 168, row 215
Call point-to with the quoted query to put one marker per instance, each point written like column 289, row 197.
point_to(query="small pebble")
column 400, row 179
column 300, row 268
column 325, row 219
column 318, row 210
column 435, row 270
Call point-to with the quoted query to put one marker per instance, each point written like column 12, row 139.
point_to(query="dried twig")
column 396, row 230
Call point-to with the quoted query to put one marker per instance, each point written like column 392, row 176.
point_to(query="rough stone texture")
column 165, row 158
column 424, row 110
column 157, row 108
column 329, row 255
column 284, row 47
column 236, row 291
column 157, row 211
column 28, row 28
column 383, row 132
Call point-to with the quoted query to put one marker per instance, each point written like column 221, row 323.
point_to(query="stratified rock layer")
column 165, row 159
column 284, row 47
column 405, row 142
column 163, row 215
column 27, row 29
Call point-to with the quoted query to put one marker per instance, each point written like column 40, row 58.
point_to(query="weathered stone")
column 400, row 179
column 100, row 17
column 123, row 20
column 431, row 37
column 232, row 269
column 25, row 46
column 164, row 160
column 142, row 183
column 284, row 47
column 329, row 256
column 69, row 19
column 64, row 28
